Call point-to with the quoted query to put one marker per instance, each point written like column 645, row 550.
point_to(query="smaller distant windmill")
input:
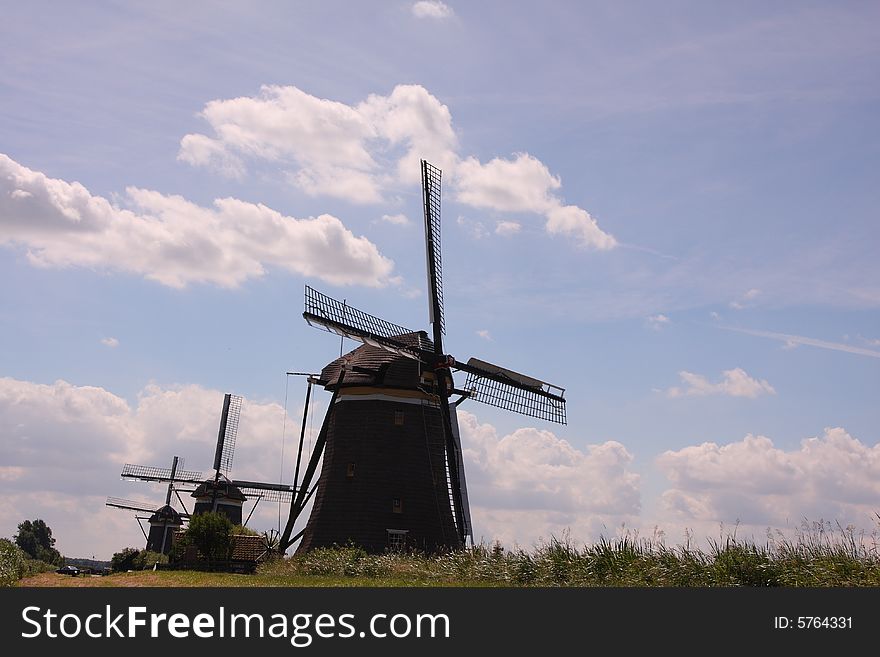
column 216, row 492
column 164, row 520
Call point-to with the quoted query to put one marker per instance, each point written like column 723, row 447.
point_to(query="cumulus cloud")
column 734, row 383
column 174, row 241
column 525, row 184
column 432, row 9
column 359, row 152
column 64, row 446
column 110, row 342
column 326, row 147
column 530, row 484
column 834, row 477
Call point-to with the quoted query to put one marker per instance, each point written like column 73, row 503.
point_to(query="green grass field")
column 817, row 558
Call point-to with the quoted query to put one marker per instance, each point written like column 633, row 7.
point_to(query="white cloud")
column 327, row 147
column 525, row 184
column 530, row 484
column 834, row 477
column 359, row 152
column 484, row 333
column 174, row 241
column 745, row 301
column 110, row 342
column 64, row 446
column 734, row 383
column 432, row 9
column 507, row 228
column 657, row 322
column 396, row 219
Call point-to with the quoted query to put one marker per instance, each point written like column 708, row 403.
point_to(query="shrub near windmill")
column 392, row 474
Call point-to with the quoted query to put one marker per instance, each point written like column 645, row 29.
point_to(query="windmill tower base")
column 383, row 481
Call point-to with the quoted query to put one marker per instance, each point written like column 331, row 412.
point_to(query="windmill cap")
column 368, row 365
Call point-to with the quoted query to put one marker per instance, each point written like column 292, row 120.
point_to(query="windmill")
column 392, row 473
column 164, row 520
column 216, row 492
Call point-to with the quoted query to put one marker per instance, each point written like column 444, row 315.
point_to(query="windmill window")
column 398, row 418
column 397, row 505
column 349, row 471
column 396, row 539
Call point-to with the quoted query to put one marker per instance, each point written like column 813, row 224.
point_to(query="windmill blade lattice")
column 268, row 492
column 431, row 199
column 226, row 436
column 150, row 473
column 502, row 388
column 333, row 313
column 130, row 505
column 333, row 316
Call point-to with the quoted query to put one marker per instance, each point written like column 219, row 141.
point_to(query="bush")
column 124, row 560
column 12, row 563
column 133, row 559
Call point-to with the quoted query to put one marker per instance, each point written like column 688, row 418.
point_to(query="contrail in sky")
column 812, row 342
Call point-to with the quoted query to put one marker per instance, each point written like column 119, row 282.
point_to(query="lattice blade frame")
column 268, row 494
column 131, row 505
column 150, row 473
column 339, row 313
column 502, row 388
column 226, row 436
column 326, row 313
column 431, row 176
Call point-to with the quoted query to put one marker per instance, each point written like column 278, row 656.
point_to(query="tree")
column 211, row 533
column 36, row 540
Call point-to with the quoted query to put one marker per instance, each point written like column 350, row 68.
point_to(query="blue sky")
column 669, row 210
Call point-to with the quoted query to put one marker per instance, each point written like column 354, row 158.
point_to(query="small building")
column 219, row 495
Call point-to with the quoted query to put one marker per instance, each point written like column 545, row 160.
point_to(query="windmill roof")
column 368, row 365
column 224, row 488
column 165, row 513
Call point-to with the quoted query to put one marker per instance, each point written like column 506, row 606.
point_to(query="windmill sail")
column 226, row 436
column 265, row 491
column 130, row 505
column 150, row 473
column 465, row 515
column 431, row 199
column 333, row 316
column 503, row 388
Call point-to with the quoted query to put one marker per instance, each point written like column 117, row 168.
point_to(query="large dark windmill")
column 216, row 492
column 392, row 472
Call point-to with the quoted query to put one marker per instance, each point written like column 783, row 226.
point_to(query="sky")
column 669, row 210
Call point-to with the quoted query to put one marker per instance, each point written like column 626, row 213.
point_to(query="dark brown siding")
column 391, row 461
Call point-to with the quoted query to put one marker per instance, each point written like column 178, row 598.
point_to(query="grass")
column 817, row 557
